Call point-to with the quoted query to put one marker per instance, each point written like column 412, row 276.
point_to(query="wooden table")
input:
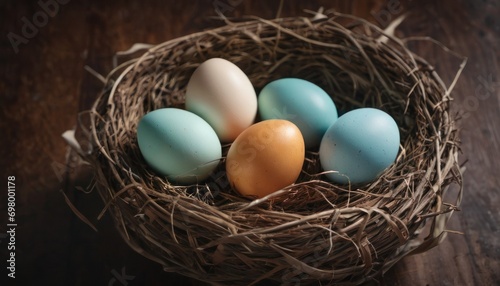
column 43, row 86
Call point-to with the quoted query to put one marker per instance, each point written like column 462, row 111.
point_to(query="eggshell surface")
column 221, row 93
column 303, row 103
column 359, row 146
column 265, row 158
column 179, row 145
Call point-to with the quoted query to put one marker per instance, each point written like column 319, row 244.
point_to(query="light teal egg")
column 359, row 146
column 179, row 144
column 301, row 102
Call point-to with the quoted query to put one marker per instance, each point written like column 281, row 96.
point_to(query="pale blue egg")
column 179, row 144
column 359, row 146
column 301, row 102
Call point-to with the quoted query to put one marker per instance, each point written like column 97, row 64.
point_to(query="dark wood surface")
column 43, row 86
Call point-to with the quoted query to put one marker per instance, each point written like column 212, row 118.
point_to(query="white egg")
column 221, row 93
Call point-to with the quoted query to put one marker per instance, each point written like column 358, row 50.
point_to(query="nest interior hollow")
column 313, row 230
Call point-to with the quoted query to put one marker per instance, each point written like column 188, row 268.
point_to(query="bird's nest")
column 313, row 230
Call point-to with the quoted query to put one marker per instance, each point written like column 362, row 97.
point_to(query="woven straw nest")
column 312, row 231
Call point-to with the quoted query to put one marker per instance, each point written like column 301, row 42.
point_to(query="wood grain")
column 44, row 85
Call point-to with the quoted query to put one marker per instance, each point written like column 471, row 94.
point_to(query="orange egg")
column 265, row 158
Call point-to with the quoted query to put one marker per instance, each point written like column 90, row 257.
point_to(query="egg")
column 179, row 145
column 221, row 93
column 359, row 146
column 301, row 102
column 265, row 158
